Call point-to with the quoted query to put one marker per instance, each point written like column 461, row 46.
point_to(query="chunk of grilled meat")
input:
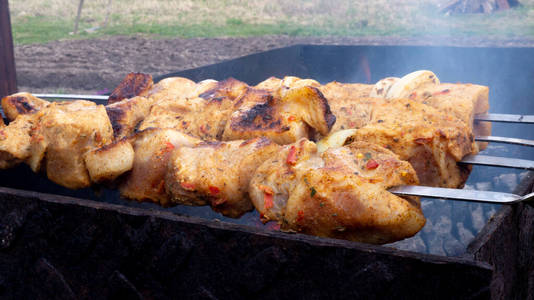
column 15, row 140
column 58, row 135
column 231, row 110
column 172, row 88
column 460, row 100
column 133, row 85
column 431, row 141
column 201, row 115
column 152, row 149
column 132, row 101
column 66, row 131
column 284, row 115
column 217, row 173
column 127, row 114
column 341, row 193
column 107, row 163
column 20, row 104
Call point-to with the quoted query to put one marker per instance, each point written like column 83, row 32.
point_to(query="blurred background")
column 88, row 46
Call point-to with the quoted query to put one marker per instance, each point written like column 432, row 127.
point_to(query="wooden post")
column 77, row 21
column 8, row 77
column 108, row 13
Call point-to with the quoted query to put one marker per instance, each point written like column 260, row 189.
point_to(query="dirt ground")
column 97, row 65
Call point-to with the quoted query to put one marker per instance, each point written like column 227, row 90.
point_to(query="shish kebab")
column 487, row 117
column 360, row 169
column 429, row 191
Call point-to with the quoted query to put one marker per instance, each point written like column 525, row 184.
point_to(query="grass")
column 35, row 21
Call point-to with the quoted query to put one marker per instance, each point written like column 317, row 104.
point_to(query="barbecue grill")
column 91, row 243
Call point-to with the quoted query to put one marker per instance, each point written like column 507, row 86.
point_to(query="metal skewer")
column 97, row 98
column 496, row 161
column 460, row 194
column 506, row 118
column 506, row 140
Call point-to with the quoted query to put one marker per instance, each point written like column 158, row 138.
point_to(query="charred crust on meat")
column 22, row 104
column 111, row 145
column 134, row 84
column 258, row 116
column 328, row 115
column 115, row 114
column 263, row 142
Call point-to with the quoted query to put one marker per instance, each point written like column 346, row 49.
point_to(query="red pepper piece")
column 188, row 186
column 371, row 164
column 291, row 118
column 169, row 146
column 413, row 95
column 268, row 200
column 300, row 216
column 214, row 190
column 292, row 156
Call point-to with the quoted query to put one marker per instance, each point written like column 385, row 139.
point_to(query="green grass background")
column 35, row 21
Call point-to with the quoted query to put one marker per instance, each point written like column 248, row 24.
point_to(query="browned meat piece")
column 202, row 115
column 20, row 104
column 15, row 140
column 284, row 115
column 126, row 115
column 217, row 173
column 134, row 84
column 65, row 132
column 431, row 141
column 230, row 110
column 460, row 100
column 341, row 193
column 109, row 162
column 152, row 148
column 172, row 88
column 58, row 135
